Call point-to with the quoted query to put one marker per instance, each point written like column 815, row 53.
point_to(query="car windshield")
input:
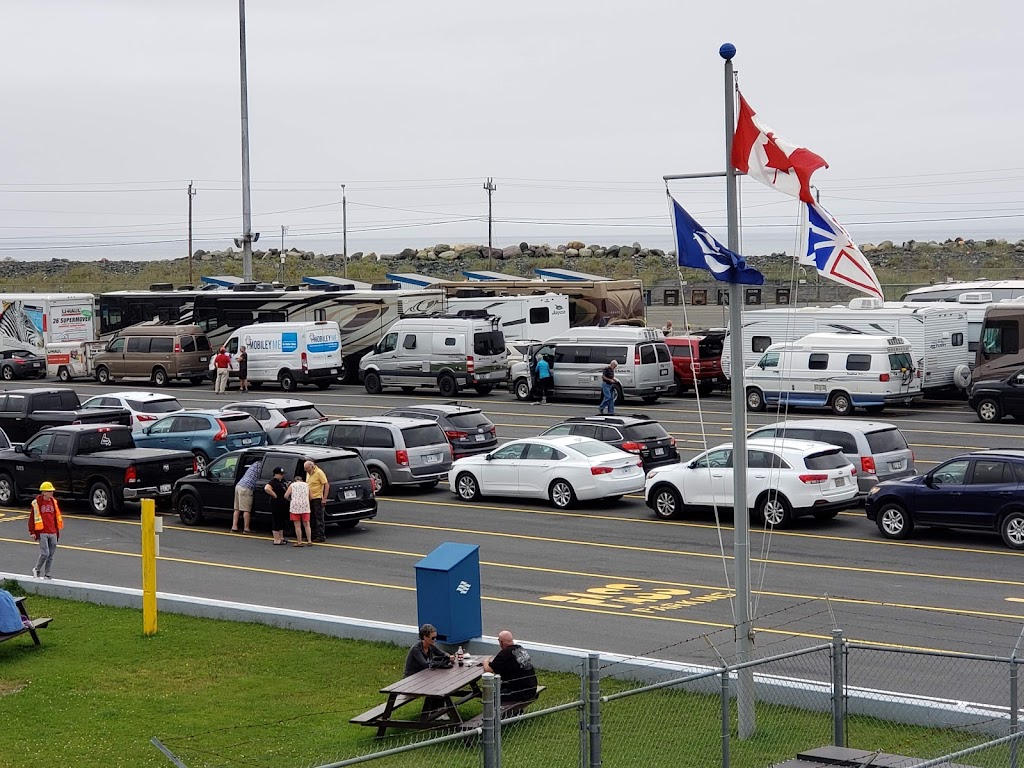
column 710, row 348
column 487, row 343
column 649, row 431
column 886, row 440
column 239, row 424
column 302, row 413
column 826, row 460
column 169, row 405
column 595, row 448
column 343, row 468
column 105, row 440
column 418, row 437
column 468, row 420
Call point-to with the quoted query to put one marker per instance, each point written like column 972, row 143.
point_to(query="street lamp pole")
column 246, row 239
column 191, row 194
column 344, row 229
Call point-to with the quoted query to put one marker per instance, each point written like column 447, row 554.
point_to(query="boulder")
column 371, row 256
column 599, row 252
column 355, row 256
column 431, row 256
column 319, row 257
column 198, row 254
column 573, row 252
column 636, row 246
column 576, row 245
column 626, row 252
column 885, row 245
column 206, row 256
column 586, row 253
column 461, row 247
column 388, row 256
column 448, row 255
column 868, row 247
column 524, row 247
column 470, row 254
column 511, row 251
column 442, row 247
column 657, row 252
column 408, row 253
column 560, row 249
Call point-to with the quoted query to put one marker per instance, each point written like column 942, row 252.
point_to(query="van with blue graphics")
column 289, row 353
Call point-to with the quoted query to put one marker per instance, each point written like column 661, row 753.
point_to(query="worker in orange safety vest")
column 44, row 525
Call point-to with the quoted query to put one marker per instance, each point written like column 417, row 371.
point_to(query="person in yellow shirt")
column 319, row 488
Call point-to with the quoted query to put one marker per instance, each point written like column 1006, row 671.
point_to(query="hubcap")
column 774, row 512
column 377, row 481
column 754, row 400
column 467, row 489
column 561, row 495
column 665, row 504
column 892, row 521
column 523, row 392
column 842, row 404
column 99, row 499
column 987, row 411
column 200, row 463
column 1015, row 531
column 5, row 491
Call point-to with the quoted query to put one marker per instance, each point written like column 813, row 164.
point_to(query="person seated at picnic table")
column 425, row 654
column 514, row 665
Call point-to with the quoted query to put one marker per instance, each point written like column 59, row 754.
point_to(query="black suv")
column 634, row 434
column 468, row 430
column 995, row 398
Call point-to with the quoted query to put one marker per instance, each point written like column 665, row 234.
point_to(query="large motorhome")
column 522, row 317
column 937, row 334
column 30, row 321
column 1000, row 290
column 999, row 350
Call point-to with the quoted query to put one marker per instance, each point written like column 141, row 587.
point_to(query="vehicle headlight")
column 874, row 490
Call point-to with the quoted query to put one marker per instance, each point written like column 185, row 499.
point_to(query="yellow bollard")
column 148, row 567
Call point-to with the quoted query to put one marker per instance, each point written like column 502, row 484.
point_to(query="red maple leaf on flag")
column 777, row 159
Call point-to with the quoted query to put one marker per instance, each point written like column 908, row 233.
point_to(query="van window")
column 886, row 441
column 770, row 360
column 603, row 355
column 487, row 343
column 569, row 353
column 378, row 437
column 539, row 315
column 760, row 343
column 188, row 343
column 858, row 362
column 138, row 343
column 1000, row 338
column 117, row 345
column 320, row 315
column 844, row 440
column 818, row 361
column 647, row 354
column 347, row 435
column 663, row 354
column 202, row 344
column 161, row 344
column 232, row 345
column 449, row 341
column 899, row 361
column 409, row 342
column 419, row 437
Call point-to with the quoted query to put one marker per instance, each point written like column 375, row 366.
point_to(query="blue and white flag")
column 830, row 250
column 697, row 249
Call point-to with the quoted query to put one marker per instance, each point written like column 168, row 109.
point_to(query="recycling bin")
column 448, row 592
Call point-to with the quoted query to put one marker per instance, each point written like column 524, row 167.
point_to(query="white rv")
column 937, row 334
column 841, row 371
column 522, row 317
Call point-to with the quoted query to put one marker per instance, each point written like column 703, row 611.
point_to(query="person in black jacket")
column 425, row 654
column 513, row 663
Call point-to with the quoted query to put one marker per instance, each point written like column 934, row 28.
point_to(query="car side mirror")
column 1019, row 380
column 692, row 465
column 929, row 480
column 145, row 430
column 488, row 457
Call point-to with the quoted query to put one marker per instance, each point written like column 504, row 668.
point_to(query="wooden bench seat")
column 508, row 709
column 370, row 716
column 30, row 630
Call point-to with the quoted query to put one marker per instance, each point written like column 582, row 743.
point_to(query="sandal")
column 279, row 543
column 297, row 544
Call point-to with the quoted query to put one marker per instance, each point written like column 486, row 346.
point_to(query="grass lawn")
column 225, row 694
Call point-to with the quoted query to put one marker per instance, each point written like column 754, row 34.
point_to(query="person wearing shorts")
column 298, row 509
column 244, row 492
column 277, row 490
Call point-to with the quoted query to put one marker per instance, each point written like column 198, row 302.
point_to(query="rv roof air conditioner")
column 161, row 287
column 866, row 302
column 975, row 297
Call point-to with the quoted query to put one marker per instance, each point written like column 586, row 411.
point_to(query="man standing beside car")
column 608, row 389
column 244, row 492
column 319, row 488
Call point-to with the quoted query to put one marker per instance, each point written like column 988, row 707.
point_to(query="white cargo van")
column 443, row 351
column 841, row 371
column 290, row 353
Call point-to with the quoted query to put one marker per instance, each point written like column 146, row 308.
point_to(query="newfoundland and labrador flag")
column 831, row 250
column 764, row 155
column 696, row 249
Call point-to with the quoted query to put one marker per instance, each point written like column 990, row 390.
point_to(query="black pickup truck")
column 99, row 464
column 23, row 412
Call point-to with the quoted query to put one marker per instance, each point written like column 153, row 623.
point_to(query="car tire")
column 705, row 389
column 841, row 404
column 431, row 484
column 620, row 398
column 522, row 390
column 378, row 480
column 202, row 461
column 322, row 385
column 408, row 390
column 102, row 502
column 8, row 373
column 483, row 389
column 64, row 374
column 448, row 386
column 561, row 494
column 893, row 521
column 287, row 381
column 160, row 377
column 372, row 383
column 989, row 411
column 1012, row 529
column 650, row 399
column 773, row 509
column 190, row 509
column 103, row 375
column 466, row 487
column 666, row 502
column 755, row 400
column 8, row 490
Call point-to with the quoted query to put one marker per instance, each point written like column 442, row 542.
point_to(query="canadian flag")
column 763, row 155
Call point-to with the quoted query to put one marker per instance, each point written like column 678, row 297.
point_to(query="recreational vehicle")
column 522, row 317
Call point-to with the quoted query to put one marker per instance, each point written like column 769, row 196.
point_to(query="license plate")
column 627, row 470
column 659, row 451
column 480, row 438
column 432, row 458
column 840, row 481
column 165, row 488
column 246, row 441
column 896, row 465
column 334, row 370
column 203, row 359
column 35, row 365
column 664, row 373
column 350, row 494
column 658, row 389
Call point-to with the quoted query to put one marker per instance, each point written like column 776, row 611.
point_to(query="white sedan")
column 146, row 407
column 562, row 469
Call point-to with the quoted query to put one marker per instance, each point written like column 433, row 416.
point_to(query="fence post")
column 496, row 708
column 594, row 708
column 487, row 739
column 582, row 715
column 726, row 717
column 838, row 690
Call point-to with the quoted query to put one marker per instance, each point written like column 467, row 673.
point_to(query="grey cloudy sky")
column 576, row 108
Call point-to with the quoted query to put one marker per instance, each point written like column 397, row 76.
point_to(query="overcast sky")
column 577, row 108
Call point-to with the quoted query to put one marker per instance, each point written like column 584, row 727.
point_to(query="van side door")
column 412, row 359
column 115, row 357
column 136, row 357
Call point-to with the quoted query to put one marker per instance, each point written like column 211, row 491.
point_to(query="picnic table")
column 452, row 687
column 30, row 624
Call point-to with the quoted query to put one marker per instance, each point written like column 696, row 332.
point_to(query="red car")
column 697, row 361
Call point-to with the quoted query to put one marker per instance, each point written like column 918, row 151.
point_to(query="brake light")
column 305, row 363
column 867, row 465
column 494, row 432
column 853, row 470
column 195, row 465
column 402, row 458
column 177, row 347
column 633, row 447
column 883, row 377
column 18, row 359
column 451, row 451
column 813, row 479
column 672, row 442
column 223, row 434
column 130, row 475
column 636, row 357
column 454, row 434
column 144, row 417
column 470, row 365
column 286, row 424
column 600, row 470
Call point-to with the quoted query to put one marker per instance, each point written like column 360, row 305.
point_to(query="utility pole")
column 191, row 194
column 247, row 238
column 280, row 268
column 344, row 229
column 489, row 186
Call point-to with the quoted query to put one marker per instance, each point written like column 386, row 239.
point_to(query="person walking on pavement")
column 319, row 488
column 244, row 492
column 545, row 381
column 45, row 523
column 276, row 490
column 222, row 364
column 608, row 382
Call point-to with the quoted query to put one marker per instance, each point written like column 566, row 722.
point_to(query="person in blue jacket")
column 545, row 381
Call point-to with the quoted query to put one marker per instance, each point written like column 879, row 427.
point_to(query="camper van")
column 449, row 352
column 290, row 353
column 841, row 371
column 579, row 357
column 938, row 334
column 522, row 317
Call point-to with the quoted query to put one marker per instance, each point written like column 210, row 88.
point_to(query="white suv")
column 786, row 479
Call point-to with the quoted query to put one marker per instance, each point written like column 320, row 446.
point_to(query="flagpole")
column 741, row 537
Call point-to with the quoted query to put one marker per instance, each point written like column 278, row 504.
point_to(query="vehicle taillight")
column 305, row 363
column 600, row 470
column 18, row 359
column 144, row 417
column 454, row 434
column 470, row 365
column 853, row 470
column 177, row 347
column 636, row 357
column 402, row 458
column 813, row 479
column 130, row 475
column 494, row 432
column 286, row 424
column 672, row 442
column 223, row 434
column 633, row 447
column 867, row 464
column 883, row 377
column 919, row 373
column 195, row 465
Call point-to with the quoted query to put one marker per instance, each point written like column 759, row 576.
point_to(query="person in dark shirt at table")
column 513, row 663
column 425, row 654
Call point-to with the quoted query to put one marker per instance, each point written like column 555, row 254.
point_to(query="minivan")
column 644, row 371
column 443, row 351
column 158, row 353
column 290, row 353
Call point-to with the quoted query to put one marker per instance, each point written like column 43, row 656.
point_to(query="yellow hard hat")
column 47, row 486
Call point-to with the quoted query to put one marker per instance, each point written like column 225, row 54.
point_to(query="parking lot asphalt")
column 607, row 576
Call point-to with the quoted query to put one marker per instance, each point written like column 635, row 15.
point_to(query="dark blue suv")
column 983, row 490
